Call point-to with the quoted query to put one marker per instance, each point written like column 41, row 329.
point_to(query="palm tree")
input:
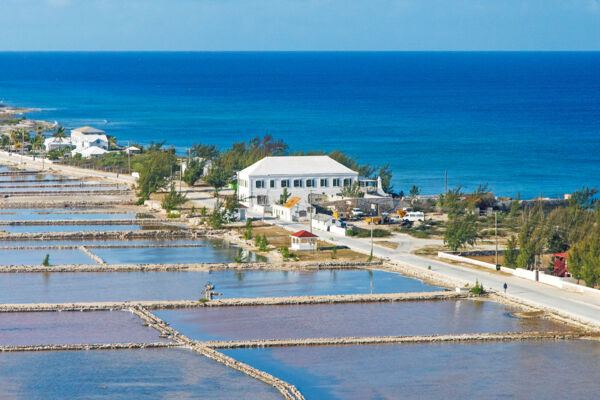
column 60, row 133
column 14, row 138
column 38, row 141
column 112, row 142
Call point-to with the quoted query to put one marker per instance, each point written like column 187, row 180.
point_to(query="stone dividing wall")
column 103, row 235
column 66, row 192
column 66, row 347
column 288, row 391
column 299, row 266
column 258, row 301
column 26, row 203
column 94, row 257
column 57, row 222
column 477, row 337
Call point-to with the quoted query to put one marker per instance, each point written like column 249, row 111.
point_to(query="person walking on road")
column 505, row 287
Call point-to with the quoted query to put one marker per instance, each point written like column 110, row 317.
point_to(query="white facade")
column 87, row 136
column 263, row 182
column 53, row 143
column 303, row 241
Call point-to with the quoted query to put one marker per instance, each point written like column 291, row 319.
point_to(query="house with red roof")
column 304, row 241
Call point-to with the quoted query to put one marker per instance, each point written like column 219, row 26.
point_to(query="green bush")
column 477, row 289
column 173, row 215
column 46, row 261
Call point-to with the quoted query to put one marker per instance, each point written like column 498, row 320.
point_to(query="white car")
column 357, row 212
column 414, row 216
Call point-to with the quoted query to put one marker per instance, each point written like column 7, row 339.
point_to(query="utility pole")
column 128, row 157
column 445, row 182
column 310, row 209
column 22, row 143
column 496, row 234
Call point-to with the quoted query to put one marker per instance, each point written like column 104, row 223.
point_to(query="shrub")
column 173, row 215
column 46, row 262
column 239, row 258
column 285, row 253
column 172, row 199
column 334, row 253
column 478, row 288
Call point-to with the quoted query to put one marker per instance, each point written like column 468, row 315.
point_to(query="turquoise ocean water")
column 524, row 122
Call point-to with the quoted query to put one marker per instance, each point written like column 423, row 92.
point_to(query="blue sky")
column 299, row 25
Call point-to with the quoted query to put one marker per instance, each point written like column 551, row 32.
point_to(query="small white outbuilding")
column 303, row 241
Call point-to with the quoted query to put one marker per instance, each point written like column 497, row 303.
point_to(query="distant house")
column 303, row 240
column 263, row 183
column 88, row 152
column 53, row 143
column 328, row 223
column 87, row 136
column 290, row 210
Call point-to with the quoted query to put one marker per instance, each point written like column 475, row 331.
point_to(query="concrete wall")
column 523, row 273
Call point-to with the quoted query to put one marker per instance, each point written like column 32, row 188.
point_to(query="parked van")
column 414, row 216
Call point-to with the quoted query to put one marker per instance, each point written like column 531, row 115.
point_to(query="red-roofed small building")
column 304, row 240
column 560, row 264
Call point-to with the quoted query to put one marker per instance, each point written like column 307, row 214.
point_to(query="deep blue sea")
column 526, row 123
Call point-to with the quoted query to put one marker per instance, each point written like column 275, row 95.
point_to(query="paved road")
column 582, row 306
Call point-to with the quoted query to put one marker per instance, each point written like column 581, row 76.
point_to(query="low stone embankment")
column 235, row 302
column 94, row 257
column 57, row 222
column 288, row 391
column 477, row 337
column 74, row 347
column 90, row 202
column 98, row 192
column 162, row 234
column 259, row 266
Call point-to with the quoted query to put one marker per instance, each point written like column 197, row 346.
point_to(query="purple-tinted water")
column 362, row 319
column 516, row 370
column 124, row 374
column 73, row 327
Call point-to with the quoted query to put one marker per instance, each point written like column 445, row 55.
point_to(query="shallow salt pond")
column 204, row 251
column 35, row 257
column 359, row 319
column 63, row 287
column 125, row 374
column 59, row 214
column 66, row 228
column 172, row 255
column 513, row 370
column 48, row 188
column 74, row 327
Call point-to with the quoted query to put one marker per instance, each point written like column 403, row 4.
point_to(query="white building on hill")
column 263, row 183
column 87, row 136
column 53, row 143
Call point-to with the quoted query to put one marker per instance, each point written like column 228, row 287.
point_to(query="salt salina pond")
column 502, row 370
column 73, row 327
column 125, row 374
column 73, row 228
column 357, row 319
column 64, row 287
column 60, row 214
column 202, row 251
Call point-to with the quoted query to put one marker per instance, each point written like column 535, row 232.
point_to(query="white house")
column 289, row 211
column 53, row 143
column 263, row 183
column 327, row 223
column 88, row 152
column 87, row 137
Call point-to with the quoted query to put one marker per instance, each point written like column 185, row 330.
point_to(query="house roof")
column 88, row 130
column 92, row 151
column 303, row 234
column 291, row 202
column 297, row 165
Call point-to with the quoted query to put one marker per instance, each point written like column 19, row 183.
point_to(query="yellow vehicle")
column 401, row 213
